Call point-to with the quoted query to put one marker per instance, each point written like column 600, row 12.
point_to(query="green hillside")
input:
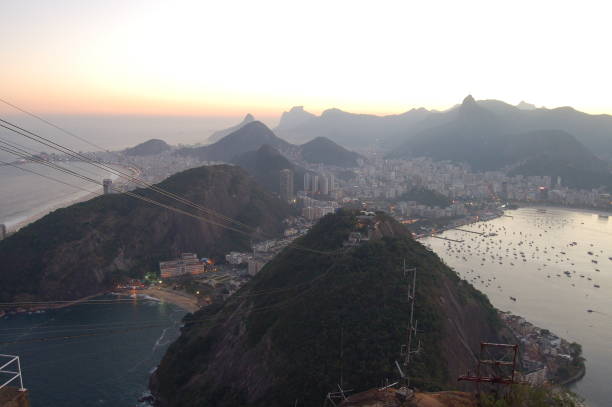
column 80, row 250
column 280, row 338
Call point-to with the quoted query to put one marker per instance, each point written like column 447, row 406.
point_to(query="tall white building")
column 323, row 185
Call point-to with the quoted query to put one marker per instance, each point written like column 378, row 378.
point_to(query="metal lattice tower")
column 407, row 350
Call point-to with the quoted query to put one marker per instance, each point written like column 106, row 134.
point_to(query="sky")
column 226, row 58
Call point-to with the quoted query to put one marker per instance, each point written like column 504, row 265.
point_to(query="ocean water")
column 527, row 259
column 115, row 347
column 23, row 194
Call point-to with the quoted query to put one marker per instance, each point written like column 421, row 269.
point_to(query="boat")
column 513, row 299
column 603, row 216
column 589, row 310
column 596, row 285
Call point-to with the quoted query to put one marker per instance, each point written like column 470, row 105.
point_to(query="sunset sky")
column 230, row 57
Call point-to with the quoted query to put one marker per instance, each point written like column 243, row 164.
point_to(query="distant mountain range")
column 480, row 136
column 487, row 134
column 361, row 130
column 150, row 147
column 348, row 129
column 253, row 135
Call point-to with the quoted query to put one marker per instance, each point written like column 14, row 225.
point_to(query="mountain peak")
column 525, row 106
column 218, row 135
column 469, row 100
column 295, row 117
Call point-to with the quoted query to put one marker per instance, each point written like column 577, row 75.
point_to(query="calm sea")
column 110, row 368
column 527, row 258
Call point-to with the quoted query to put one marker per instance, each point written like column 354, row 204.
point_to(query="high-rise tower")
column 286, row 185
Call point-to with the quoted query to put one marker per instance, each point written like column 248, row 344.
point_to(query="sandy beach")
column 186, row 301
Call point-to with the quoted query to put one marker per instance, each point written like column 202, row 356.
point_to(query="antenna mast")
column 407, row 350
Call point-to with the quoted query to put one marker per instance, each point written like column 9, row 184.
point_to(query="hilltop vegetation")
column 279, row 339
column 80, row 250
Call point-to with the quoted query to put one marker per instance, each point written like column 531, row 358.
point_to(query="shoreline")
column 588, row 209
column 75, row 199
column 47, row 210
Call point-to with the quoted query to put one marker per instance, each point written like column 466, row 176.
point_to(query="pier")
column 470, row 231
column 446, row 238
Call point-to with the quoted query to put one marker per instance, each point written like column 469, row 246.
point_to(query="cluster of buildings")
column 389, row 179
column 154, row 168
column 187, row 264
column 313, row 209
column 319, row 184
column 264, row 251
column 254, row 263
column 314, row 184
column 543, row 352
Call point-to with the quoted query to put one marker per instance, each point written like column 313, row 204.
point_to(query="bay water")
column 98, row 353
column 557, row 265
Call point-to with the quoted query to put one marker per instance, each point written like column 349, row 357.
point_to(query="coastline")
column 47, row 210
column 587, row 209
column 75, row 198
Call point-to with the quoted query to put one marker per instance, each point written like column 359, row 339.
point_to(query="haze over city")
column 279, row 203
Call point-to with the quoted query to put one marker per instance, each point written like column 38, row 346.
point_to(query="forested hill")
column 324, row 151
column 265, row 165
column 150, row 147
column 278, row 339
column 80, row 250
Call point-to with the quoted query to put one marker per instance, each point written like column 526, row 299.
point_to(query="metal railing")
column 10, row 362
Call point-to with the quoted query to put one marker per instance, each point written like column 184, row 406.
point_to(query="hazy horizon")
column 229, row 58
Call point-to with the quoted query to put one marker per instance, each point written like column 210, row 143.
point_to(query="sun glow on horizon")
column 229, row 58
